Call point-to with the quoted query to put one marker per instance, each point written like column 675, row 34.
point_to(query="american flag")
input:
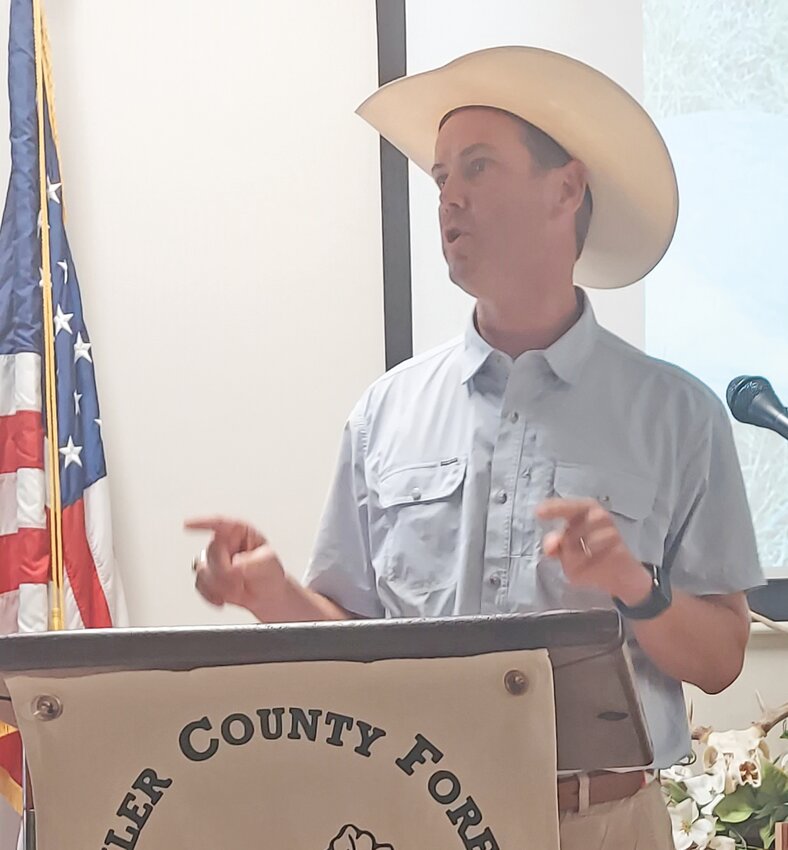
column 54, row 499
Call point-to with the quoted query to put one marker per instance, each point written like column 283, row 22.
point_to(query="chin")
column 463, row 277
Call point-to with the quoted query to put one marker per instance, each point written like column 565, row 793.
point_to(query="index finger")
column 228, row 530
column 209, row 523
column 236, row 535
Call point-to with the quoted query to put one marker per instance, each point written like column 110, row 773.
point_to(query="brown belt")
column 602, row 788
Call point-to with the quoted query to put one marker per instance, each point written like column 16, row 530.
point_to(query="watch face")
column 657, row 602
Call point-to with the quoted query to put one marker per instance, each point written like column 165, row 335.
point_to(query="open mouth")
column 453, row 234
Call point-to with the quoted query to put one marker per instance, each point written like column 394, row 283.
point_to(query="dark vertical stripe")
column 394, row 196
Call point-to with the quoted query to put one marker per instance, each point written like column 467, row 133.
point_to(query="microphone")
column 753, row 401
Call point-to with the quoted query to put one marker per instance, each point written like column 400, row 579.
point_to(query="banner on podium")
column 416, row 754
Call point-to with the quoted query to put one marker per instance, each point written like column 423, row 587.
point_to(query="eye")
column 477, row 165
column 440, row 181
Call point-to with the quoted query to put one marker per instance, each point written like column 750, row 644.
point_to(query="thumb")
column 260, row 564
column 247, row 558
column 552, row 543
column 261, row 555
column 218, row 557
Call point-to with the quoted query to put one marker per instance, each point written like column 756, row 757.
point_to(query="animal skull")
column 737, row 754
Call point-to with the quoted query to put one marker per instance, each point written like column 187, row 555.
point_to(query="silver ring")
column 197, row 560
column 584, row 546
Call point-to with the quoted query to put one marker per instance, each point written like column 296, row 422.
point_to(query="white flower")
column 706, row 789
column 688, row 827
column 722, row 842
column 677, row 773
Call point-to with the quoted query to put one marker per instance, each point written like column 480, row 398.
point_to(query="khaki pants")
column 640, row 822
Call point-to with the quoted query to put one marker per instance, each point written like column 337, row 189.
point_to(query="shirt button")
column 514, row 417
column 415, row 494
column 501, row 497
column 495, row 580
column 605, row 500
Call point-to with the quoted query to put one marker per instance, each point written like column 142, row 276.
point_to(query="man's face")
column 495, row 204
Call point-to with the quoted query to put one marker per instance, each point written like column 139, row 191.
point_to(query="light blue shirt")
column 445, row 457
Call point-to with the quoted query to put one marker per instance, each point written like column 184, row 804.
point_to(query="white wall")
column 223, row 210
column 765, row 671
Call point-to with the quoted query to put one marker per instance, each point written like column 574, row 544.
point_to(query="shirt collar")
column 475, row 352
column 566, row 356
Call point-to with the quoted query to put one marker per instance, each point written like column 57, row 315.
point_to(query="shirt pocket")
column 629, row 498
column 422, row 506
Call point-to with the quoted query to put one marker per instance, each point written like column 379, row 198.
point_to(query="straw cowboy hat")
column 630, row 172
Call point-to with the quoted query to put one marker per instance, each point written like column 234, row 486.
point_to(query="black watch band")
column 659, row 599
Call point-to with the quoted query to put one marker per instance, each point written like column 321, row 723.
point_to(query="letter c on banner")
column 186, row 743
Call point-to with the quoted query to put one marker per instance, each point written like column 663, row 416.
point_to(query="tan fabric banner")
column 434, row 754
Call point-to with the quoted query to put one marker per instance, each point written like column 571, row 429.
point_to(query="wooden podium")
column 599, row 722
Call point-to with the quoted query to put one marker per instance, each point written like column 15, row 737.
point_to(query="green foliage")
column 748, row 815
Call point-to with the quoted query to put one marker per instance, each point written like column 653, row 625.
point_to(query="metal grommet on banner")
column 516, row 682
column 46, row 707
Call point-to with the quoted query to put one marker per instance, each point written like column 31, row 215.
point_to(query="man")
column 540, row 462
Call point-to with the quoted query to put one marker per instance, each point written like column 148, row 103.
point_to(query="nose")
column 452, row 195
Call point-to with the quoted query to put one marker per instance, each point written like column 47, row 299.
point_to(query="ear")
column 572, row 186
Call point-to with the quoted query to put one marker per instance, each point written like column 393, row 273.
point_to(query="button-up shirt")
column 445, row 458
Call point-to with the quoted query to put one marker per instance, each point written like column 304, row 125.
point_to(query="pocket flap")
column 423, row 482
column 619, row 492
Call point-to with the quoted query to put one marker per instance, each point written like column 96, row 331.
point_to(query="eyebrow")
column 471, row 149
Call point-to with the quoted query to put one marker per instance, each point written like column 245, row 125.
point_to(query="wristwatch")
column 658, row 600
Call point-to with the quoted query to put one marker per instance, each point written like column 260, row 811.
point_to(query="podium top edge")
column 181, row 648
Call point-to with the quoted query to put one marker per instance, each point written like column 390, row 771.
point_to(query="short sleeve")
column 711, row 546
column 341, row 566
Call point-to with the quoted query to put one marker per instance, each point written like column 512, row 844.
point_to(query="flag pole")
column 50, row 378
column 49, row 89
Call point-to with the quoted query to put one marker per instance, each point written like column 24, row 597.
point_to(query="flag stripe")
column 11, row 790
column 25, row 558
column 20, row 382
column 11, row 767
column 81, row 569
column 33, row 608
column 31, row 498
column 9, row 510
column 98, row 530
column 21, row 441
column 22, row 496
column 9, row 819
column 9, row 613
column 11, row 754
column 72, row 619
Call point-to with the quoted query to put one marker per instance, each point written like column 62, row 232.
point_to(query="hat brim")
column 630, row 172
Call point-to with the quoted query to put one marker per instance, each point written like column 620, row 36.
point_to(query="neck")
column 532, row 321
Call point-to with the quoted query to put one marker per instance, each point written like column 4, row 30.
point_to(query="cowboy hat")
column 630, row 172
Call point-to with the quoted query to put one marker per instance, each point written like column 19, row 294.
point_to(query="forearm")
column 291, row 602
column 700, row 640
column 697, row 639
